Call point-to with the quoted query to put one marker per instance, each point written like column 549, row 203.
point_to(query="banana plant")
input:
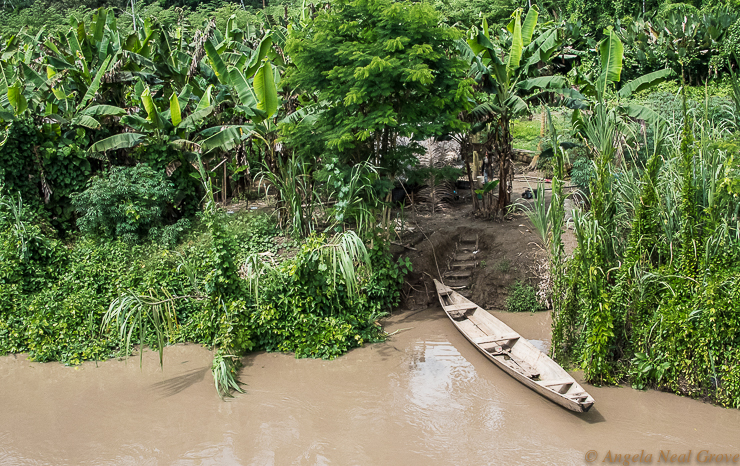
column 233, row 66
column 593, row 87
column 504, row 78
column 206, row 93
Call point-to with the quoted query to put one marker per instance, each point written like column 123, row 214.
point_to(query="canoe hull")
column 517, row 357
column 564, row 402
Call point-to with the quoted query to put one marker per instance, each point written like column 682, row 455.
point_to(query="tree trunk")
column 505, row 167
column 223, row 195
column 472, row 186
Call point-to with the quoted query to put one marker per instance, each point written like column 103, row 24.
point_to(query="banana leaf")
column 218, row 66
column 258, row 55
column 103, row 110
column 543, row 82
column 227, row 138
column 611, row 52
column 205, row 101
column 645, row 81
column 264, row 88
column 17, row 99
column 517, row 43
column 95, row 85
column 190, row 122
column 86, row 121
column 138, row 123
column 151, row 109
column 530, row 21
column 175, row 115
column 246, row 95
column 118, row 141
column 641, row 112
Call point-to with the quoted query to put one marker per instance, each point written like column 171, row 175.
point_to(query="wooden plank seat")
column 494, row 339
column 577, row 397
column 564, row 385
column 462, row 307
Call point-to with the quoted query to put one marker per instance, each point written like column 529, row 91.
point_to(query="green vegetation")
column 153, row 126
column 54, row 298
column 129, row 204
column 522, row 298
column 649, row 293
column 125, row 126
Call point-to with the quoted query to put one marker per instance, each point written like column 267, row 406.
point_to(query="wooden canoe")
column 513, row 354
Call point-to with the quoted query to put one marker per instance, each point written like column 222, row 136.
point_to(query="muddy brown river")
column 424, row 397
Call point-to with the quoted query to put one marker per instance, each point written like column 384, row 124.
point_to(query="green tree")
column 378, row 71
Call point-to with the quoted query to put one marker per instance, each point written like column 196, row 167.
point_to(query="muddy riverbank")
column 423, row 397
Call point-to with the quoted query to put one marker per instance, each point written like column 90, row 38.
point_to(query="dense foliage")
column 132, row 128
column 53, row 299
column 129, row 203
column 381, row 72
column 125, row 131
column 650, row 293
column 522, row 298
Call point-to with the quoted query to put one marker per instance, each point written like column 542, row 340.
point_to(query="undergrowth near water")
column 522, row 298
column 94, row 300
column 651, row 294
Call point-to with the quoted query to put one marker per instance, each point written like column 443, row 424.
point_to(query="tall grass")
column 16, row 210
column 648, row 295
column 357, row 199
column 539, row 215
column 297, row 200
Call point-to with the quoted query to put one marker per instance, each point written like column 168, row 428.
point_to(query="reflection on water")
column 443, row 394
column 426, row 396
column 437, row 372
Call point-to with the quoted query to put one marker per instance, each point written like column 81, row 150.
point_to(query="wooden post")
column 223, row 193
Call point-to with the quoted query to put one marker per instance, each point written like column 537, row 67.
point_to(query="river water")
column 423, row 397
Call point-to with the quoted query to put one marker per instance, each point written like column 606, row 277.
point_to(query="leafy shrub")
column 306, row 309
column 582, row 173
column 130, row 204
column 28, row 258
column 522, row 298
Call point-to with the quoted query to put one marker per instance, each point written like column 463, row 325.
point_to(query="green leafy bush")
column 129, row 203
column 522, row 298
column 652, row 288
column 582, row 174
column 307, row 309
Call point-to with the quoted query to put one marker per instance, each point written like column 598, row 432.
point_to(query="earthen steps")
column 459, row 274
column 469, row 239
column 464, row 256
column 463, row 265
column 457, row 284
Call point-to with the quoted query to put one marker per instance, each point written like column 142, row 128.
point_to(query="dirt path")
column 508, row 251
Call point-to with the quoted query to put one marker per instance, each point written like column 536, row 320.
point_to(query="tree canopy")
column 376, row 70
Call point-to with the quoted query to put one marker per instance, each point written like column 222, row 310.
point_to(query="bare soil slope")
column 508, row 251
